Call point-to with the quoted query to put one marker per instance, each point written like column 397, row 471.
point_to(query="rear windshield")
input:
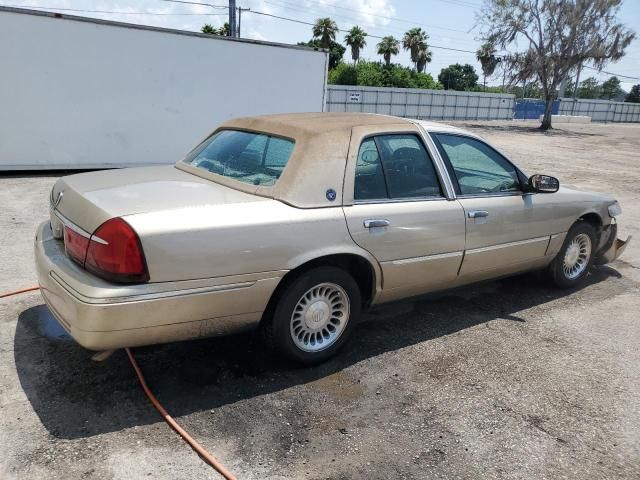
column 254, row 158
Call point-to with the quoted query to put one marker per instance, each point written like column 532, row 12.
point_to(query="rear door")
column 397, row 207
column 505, row 230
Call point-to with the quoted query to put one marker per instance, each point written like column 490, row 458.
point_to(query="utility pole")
column 563, row 88
column 240, row 10
column 575, row 90
column 232, row 18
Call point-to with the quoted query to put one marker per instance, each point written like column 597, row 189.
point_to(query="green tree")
column 325, row 31
column 370, row 74
column 558, row 37
column 458, row 77
column 415, row 41
column 634, row 95
column 611, row 88
column 589, row 88
column 387, row 47
column 343, row 74
column 209, row 29
column 378, row 74
column 224, row 30
column 336, row 51
column 356, row 40
column 424, row 57
column 486, row 55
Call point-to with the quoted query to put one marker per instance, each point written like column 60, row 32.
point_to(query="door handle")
column 372, row 223
column 477, row 213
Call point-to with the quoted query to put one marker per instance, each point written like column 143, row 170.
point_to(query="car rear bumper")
column 102, row 316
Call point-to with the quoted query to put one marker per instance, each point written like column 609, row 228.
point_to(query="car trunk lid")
column 87, row 200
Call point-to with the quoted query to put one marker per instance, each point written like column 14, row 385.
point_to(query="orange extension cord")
column 206, row 456
column 24, row 290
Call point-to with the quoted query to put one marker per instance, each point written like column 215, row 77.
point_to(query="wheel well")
column 358, row 267
column 593, row 219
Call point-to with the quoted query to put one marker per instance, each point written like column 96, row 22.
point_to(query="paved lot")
column 508, row 379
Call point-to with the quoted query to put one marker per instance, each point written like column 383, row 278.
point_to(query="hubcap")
column 576, row 258
column 319, row 317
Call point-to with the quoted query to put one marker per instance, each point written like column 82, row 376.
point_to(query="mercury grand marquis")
column 295, row 224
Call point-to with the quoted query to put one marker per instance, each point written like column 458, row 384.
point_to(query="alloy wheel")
column 320, row 317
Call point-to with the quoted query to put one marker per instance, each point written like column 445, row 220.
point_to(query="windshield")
column 254, row 158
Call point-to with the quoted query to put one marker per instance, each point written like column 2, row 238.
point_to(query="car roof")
column 316, row 166
column 320, row 122
column 326, row 122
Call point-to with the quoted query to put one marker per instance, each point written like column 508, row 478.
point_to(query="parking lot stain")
column 47, row 326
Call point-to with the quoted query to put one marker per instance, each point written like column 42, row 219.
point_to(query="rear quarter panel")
column 233, row 239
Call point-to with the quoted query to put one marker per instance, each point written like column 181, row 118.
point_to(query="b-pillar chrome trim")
column 437, row 159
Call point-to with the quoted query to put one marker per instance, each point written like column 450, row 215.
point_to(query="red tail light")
column 115, row 253
column 76, row 245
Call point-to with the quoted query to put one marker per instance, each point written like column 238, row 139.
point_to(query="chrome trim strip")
column 99, row 240
column 490, row 194
column 68, row 223
column 506, row 245
column 148, row 296
column 437, row 160
column 426, row 258
column 398, row 200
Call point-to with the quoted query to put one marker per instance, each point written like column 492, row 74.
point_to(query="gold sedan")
column 295, row 223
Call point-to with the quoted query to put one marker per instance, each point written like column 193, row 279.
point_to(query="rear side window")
column 248, row 157
column 394, row 167
column 369, row 182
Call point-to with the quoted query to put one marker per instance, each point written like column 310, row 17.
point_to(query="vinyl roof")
column 319, row 122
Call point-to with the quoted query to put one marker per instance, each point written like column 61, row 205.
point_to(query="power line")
column 77, row 10
column 294, row 20
column 461, row 3
column 440, row 47
column 610, row 73
column 350, row 19
column 376, row 15
column 197, row 3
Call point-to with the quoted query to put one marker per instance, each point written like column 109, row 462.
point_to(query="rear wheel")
column 314, row 315
column 572, row 264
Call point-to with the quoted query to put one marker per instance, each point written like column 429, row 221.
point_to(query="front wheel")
column 571, row 265
column 314, row 315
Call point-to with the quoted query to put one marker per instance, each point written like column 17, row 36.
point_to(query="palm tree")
column 209, row 29
column 355, row 39
column 388, row 46
column 415, row 40
column 225, row 30
column 424, row 57
column 325, row 30
column 486, row 55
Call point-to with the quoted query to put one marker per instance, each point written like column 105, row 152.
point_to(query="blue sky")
column 449, row 23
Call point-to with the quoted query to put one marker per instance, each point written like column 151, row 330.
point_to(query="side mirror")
column 543, row 184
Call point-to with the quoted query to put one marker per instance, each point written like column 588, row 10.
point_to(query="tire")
column 573, row 262
column 314, row 315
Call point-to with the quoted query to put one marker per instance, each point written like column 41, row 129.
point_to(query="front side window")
column 255, row 158
column 394, row 167
column 477, row 167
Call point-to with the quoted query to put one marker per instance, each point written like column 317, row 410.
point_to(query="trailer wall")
column 82, row 93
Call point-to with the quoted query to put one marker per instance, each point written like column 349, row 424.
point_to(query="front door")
column 401, row 215
column 505, row 230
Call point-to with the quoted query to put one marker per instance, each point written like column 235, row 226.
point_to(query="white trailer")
column 80, row 93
